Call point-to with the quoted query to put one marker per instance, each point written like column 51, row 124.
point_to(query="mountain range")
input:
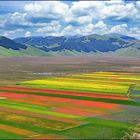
column 111, row 44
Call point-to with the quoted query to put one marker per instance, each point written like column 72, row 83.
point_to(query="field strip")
column 112, row 82
column 47, row 136
column 109, row 74
column 14, row 105
column 47, row 100
column 73, row 104
column 81, row 112
column 101, row 77
column 15, row 93
column 81, row 88
column 16, row 130
column 75, row 107
column 32, row 123
column 53, row 91
column 41, row 116
column 115, row 82
column 81, row 109
column 123, row 102
column 96, row 86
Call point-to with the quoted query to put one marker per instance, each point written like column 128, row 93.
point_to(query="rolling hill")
column 10, row 44
column 113, row 44
column 90, row 43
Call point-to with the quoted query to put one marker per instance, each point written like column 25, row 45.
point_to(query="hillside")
column 90, row 43
column 112, row 44
column 10, row 44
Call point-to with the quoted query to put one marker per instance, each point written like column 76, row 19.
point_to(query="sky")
column 62, row 18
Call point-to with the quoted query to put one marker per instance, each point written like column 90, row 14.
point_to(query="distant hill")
column 10, row 44
column 92, row 44
column 9, row 47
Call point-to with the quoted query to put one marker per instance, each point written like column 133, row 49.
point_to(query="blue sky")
column 61, row 18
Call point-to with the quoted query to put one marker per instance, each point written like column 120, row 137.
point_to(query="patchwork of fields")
column 72, row 106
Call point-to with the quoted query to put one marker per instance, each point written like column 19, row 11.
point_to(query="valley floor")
column 67, row 97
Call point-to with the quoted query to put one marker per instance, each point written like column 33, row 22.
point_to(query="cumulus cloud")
column 13, row 21
column 49, row 9
column 78, row 30
column 78, row 18
column 135, row 31
column 121, row 29
column 138, row 4
column 27, row 34
column 119, row 11
column 103, row 10
column 51, row 29
column 10, row 32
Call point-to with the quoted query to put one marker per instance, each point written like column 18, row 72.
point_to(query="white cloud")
column 19, row 18
column 138, row 4
column 12, row 20
column 84, row 19
column 50, row 9
column 27, row 34
column 11, row 32
column 80, row 30
column 119, row 10
column 100, row 28
column 121, row 29
column 2, row 22
column 93, row 9
column 52, row 28
column 103, row 10
column 81, row 17
column 5, row 34
column 100, row 24
column 135, row 32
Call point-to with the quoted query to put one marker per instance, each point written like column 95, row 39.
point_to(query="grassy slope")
column 130, row 51
column 23, row 52
column 32, row 51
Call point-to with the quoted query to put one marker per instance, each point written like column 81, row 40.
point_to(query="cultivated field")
column 68, row 97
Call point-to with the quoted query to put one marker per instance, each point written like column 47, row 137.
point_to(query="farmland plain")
column 68, row 97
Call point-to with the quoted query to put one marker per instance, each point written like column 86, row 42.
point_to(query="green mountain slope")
column 29, row 51
column 98, row 45
column 131, row 52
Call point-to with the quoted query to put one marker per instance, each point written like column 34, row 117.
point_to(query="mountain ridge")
column 74, row 45
column 90, row 43
column 11, row 44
